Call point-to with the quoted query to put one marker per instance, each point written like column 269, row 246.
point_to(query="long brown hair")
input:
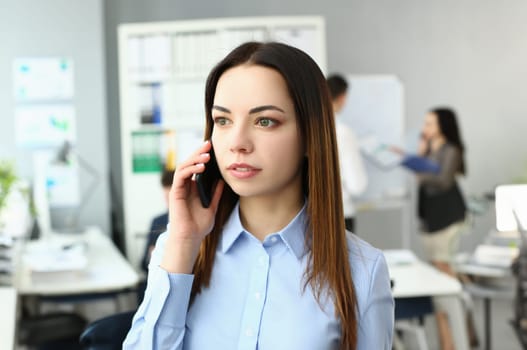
column 328, row 270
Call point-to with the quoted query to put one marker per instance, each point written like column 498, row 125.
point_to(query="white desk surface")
column 416, row 278
column 8, row 305
column 421, row 279
column 106, row 271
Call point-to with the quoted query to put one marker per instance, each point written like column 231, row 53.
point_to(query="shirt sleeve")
column 353, row 172
column 449, row 165
column 159, row 323
column 377, row 318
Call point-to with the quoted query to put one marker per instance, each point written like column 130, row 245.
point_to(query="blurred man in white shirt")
column 352, row 171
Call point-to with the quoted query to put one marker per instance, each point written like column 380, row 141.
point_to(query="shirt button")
column 274, row 239
column 249, row 332
column 257, row 295
column 262, row 260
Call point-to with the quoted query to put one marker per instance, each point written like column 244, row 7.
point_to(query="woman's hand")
column 396, row 149
column 189, row 221
column 424, row 144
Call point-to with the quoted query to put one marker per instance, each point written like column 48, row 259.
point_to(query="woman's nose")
column 241, row 140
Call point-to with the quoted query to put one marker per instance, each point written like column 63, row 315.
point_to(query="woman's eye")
column 220, row 121
column 266, row 122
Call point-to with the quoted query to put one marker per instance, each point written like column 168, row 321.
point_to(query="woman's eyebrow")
column 265, row 108
column 221, row 109
column 252, row 110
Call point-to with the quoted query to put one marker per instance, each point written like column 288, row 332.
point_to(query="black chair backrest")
column 415, row 307
column 107, row 333
column 59, row 330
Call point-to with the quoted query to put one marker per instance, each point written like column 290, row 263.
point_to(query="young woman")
column 441, row 206
column 269, row 264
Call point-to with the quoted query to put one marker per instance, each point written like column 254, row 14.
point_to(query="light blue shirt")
column 256, row 300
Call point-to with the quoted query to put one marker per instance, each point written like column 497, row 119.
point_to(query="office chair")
column 107, row 333
column 54, row 331
column 411, row 309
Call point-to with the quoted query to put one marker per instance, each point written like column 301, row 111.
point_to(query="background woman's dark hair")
column 328, row 271
column 447, row 120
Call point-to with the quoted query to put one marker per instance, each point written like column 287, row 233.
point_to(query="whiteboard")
column 375, row 108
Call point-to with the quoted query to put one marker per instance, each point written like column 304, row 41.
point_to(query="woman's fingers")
column 396, row 149
column 193, row 165
column 186, row 172
column 201, row 155
column 182, row 186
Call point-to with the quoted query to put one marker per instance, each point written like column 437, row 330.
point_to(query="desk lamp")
column 65, row 156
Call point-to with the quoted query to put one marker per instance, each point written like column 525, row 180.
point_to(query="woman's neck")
column 437, row 142
column 264, row 216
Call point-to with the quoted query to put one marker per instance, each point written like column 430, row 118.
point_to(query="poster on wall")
column 43, row 90
column 47, row 125
column 43, row 79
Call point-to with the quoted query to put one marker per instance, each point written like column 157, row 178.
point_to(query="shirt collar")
column 232, row 229
column 293, row 234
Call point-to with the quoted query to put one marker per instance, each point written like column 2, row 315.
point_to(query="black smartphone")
column 207, row 180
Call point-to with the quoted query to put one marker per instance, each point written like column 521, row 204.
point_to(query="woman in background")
column 269, row 264
column 441, row 206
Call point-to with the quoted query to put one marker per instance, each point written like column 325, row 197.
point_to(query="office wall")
column 468, row 54
column 32, row 28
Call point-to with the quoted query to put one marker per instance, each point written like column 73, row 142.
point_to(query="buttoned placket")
column 255, row 301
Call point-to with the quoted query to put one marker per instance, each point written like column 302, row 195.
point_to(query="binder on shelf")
column 135, row 50
column 146, row 153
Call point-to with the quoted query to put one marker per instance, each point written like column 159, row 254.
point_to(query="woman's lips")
column 242, row 171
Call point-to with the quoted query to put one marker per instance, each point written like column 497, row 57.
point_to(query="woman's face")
column 255, row 136
column 431, row 128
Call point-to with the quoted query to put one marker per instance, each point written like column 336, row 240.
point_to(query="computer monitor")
column 510, row 199
column 522, row 229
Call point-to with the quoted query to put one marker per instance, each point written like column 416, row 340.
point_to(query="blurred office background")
column 467, row 54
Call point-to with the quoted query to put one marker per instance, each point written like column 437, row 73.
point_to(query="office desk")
column 106, row 269
column 418, row 279
column 491, row 282
column 8, row 316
